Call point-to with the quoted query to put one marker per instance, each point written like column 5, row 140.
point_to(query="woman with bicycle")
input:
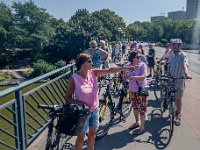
column 137, row 82
column 84, row 84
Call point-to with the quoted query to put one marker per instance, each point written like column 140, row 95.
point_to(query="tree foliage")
column 26, row 27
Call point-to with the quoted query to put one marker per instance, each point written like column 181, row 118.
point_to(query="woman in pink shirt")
column 84, row 84
column 137, row 78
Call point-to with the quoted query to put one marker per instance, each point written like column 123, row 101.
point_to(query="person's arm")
column 187, row 75
column 70, row 91
column 104, row 54
column 103, row 72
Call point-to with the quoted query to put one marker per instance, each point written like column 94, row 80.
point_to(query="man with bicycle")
column 178, row 69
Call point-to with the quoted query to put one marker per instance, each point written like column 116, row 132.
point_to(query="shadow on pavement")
column 117, row 140
column 158, row 131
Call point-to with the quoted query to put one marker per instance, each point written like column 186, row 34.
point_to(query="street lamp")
column 120, row 31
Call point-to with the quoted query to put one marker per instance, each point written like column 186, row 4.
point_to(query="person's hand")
column 187, row 76
column 131, row 68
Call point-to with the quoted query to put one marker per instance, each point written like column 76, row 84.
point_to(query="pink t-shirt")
column 140, row 70
column 86, row 90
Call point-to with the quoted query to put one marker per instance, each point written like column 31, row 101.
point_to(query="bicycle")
column 108, row 110
column 168, row 101
column 157, row 82
column 55, row 139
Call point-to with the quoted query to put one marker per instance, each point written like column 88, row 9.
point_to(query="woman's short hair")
column 131, row 56
column 81, row 59
column 93, row 42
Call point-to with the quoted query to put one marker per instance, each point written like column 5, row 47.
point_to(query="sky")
column 129, row 10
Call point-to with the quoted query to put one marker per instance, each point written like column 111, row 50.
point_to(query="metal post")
column 21, row 117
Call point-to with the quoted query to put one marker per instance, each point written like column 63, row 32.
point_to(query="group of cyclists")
column 95, row 62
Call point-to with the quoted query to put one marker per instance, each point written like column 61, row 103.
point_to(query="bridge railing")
column 21, row 121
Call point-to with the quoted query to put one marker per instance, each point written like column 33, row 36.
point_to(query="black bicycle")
column 55, row 139
column 108, row 108
column 168, row 99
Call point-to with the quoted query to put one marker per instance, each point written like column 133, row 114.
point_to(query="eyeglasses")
column 137, row 56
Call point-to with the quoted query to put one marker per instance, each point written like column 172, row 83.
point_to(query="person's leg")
column 93, row 126
column 136, row 115
column 142, row 119
column 91, row 138
column 79, row 142
column 179, row 87
column 178, row 106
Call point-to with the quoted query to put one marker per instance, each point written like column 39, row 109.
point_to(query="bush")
column 41, row 67
column 4, row 76
column 61, row 63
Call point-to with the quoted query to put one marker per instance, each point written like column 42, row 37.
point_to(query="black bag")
column 72, row 119
column 142, row 91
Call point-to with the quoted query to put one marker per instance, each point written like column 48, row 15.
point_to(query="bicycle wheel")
column 60, row 142
column 51, row 137
column 126, row 105
column 157, row 89
column 106, row 116
column 172, row 108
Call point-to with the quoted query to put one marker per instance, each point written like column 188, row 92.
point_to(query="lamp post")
column 120, row 31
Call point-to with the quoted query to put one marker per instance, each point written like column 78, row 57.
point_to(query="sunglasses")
column 137, row 56
column 89, row 61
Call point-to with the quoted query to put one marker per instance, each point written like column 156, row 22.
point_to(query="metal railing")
column 20, row 119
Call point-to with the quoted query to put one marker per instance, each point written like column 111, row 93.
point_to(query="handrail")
column 20, row 118
column 26, row 83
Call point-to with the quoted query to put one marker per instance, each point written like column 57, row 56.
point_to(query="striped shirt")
column 177, row 62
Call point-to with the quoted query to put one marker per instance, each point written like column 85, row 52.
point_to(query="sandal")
column 134, row 126
column 177, row 121
column 138, row 131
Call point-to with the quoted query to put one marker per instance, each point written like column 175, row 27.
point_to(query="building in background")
column 177, row 15
column 192, row 8
column 158, row 18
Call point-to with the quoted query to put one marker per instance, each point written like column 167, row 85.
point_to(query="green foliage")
column 61, row 63
column 4, row 76
column 26, row 26
column 41, row 67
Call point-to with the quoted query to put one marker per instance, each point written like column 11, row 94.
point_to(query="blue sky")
column 129, row 10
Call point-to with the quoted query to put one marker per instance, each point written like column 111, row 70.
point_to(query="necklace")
column 84, row 76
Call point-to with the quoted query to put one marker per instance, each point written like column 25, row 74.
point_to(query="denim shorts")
column 92, row 121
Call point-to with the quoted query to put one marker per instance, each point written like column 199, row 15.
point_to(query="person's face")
column 93, row 46
column 88, row 64
column 102, row 44
column 136, row 59
column 176, row 47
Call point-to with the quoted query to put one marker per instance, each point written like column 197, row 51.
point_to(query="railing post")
column 21, row 118
column 72, row 69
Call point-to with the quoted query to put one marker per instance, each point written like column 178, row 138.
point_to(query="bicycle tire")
column 61, row 141
column 51, row 136
column 106, row 116
column 171, row 117
column 126, row 106
column 157, row 89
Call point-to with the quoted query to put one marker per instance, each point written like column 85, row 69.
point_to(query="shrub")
column 41, row 67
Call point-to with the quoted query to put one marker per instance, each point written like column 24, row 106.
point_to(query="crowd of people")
column 95, row 62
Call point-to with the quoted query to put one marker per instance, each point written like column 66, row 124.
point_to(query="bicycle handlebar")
column 51, row 107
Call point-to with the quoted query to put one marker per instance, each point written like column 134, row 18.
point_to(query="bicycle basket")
column 72, row 119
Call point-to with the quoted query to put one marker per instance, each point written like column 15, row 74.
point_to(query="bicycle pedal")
column 67, row 145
